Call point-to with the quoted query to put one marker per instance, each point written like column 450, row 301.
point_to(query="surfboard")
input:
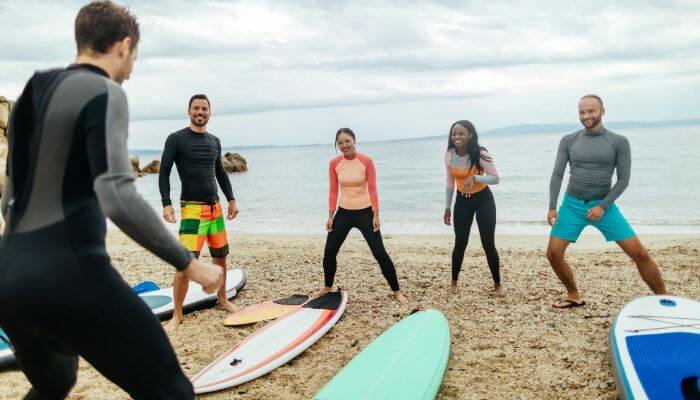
column 271, row 309
column 272, row 345
column 7, row 356
column 655, row 349
column 161, row 301
column 146, row 286
column 405, row 362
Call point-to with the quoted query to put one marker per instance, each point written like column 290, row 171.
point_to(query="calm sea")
column 286, row 188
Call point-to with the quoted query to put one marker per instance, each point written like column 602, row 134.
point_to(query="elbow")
column 111, row 192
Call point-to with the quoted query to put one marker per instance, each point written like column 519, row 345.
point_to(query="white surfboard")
column 655, row 349
column 161, row 301
column 7, row 356
column 273, row 345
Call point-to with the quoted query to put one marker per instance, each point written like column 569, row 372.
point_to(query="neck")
column 102, row 62
column 461, row 150
column 351, row 155
column 199, row 129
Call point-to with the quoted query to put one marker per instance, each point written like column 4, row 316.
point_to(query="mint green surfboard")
column 405, row 362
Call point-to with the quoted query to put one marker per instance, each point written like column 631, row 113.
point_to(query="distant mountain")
column 523, row 129
column 570, row 127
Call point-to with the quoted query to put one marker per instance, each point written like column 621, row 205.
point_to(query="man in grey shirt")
column 593, row 154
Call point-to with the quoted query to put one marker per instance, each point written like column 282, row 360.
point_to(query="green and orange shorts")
column 202, row 222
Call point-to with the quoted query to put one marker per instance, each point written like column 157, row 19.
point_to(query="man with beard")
column 67, row 169
column 593, row 153
column 197, row 155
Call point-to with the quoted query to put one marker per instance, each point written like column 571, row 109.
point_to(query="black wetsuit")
column 197, row 156
column 59, row 296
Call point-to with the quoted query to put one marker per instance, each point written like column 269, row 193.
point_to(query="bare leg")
column 645, row 264
column 222, row 301
column 180, row 287
column 556, row 248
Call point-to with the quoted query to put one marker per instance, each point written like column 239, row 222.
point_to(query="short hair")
column 101, row 24
column 593, row 96
column 198, row 96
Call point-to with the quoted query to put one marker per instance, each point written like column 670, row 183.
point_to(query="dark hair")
column 473, row 148
column 347, row 131
column 593, row 96
column 198, row 96
column 101, row 24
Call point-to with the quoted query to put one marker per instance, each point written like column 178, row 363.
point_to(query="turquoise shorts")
column 572, row 220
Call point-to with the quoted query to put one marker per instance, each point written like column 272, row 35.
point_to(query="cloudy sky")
column 293, row 72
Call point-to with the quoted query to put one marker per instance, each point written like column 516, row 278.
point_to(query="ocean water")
column 286, row 188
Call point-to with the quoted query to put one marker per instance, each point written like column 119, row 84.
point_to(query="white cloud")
column 290, row 72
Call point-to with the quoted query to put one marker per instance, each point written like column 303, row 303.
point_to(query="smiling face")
column 199, row 112
column 346, row 144
column 460, row 136
column 590, row 113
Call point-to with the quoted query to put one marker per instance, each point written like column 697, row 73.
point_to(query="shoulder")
column 78, row 86
column 176, row 136
column 571, row 137
column 212, row 136
column 485, row 154
column 335, row 161
column 364, row 158
column 616, row 137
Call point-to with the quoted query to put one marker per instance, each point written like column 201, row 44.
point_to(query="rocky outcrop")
column 234, row 162
column 5, row 108
column 135, row 164
column 152, row 168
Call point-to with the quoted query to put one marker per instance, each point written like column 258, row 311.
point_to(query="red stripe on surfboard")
column 320, row 322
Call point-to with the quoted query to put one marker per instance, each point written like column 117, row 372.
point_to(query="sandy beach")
column 517, row 347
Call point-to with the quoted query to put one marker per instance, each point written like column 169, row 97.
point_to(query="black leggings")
column 483, row 205
column 345, row 220
column 60, row 299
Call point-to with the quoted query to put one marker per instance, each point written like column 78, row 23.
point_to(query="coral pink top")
column 357, row 180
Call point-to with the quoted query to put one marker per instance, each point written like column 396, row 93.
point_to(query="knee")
column 640, row 256
column 554, row 256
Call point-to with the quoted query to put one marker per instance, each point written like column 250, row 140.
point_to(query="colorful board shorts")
column 572, row 220
column 203, row 222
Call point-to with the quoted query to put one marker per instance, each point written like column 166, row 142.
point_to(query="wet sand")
column 517, row 347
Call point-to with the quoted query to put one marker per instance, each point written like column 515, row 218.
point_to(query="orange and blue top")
column 459, row 168
column 357, row 180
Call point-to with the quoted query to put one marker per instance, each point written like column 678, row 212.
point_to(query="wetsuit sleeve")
column 333, row 186
column 105, row 124
column 371, row 174
column 222, row 176
column 490, row 176
column 449, row 182
column 558, row 172
column 166, row 165
column 623, row 168
column 21, row 119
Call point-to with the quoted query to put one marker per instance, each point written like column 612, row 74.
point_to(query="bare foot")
column 226, row 306
column 323, row 291
column 498, row 291
column 400, row 297
column 453, row 287
column 172, row 324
